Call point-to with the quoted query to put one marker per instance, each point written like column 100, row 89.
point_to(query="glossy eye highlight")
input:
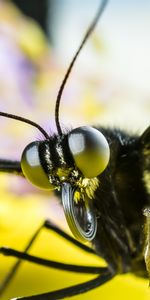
column 32, row 168
column 89, row 149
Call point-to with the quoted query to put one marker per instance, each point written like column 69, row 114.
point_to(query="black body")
column 120, row 200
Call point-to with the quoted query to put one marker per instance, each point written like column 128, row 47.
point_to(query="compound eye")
column 89, row 149
column 32, row 168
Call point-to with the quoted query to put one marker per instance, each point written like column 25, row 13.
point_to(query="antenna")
column 27, row 121
column 61, row 89
column 86, row 36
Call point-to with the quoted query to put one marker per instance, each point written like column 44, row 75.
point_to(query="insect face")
column 84, row 152
column 70, row 163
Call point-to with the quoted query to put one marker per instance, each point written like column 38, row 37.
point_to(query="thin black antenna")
column 89, row 31
column 21, row 119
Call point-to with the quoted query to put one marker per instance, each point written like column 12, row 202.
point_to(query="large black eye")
column 32, row 168
column 89, row 149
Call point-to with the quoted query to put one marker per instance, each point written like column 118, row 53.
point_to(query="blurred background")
column 109, row 86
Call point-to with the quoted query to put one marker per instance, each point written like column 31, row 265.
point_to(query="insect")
column 103, row 202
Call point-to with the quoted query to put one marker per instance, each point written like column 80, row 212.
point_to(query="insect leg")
column 75, row 289
column 44, row 262
column 10, row 166
column 13, row 271
column 48, row 263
